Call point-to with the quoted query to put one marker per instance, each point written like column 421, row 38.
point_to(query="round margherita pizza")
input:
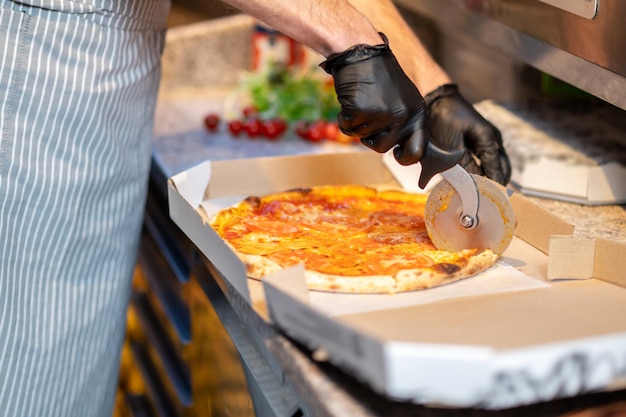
column 350, row 238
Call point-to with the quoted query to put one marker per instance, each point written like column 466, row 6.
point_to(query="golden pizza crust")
column 442, row 274
column 318, row 281
column 406, row 280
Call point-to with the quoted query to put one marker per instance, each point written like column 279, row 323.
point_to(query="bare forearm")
column 331, row 26
column 327, row 26
column 408, row 49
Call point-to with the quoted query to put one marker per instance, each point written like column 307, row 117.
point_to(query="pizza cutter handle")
column 436, row 160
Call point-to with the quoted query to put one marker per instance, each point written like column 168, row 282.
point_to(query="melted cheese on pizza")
column 336, row 230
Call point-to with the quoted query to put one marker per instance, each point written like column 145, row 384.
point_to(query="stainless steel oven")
column 582, row 42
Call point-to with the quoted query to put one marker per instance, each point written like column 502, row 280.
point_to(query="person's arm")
column 327, row 26
column 332, row 26
column 416, row 61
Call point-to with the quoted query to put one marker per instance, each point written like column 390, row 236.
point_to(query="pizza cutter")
column 464, row 211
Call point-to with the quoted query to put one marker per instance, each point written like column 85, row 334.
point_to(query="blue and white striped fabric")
column 78, row 84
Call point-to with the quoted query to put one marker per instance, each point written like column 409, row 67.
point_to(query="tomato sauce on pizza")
column 350, row 238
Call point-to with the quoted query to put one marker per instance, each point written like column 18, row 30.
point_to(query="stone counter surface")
column 598, row 221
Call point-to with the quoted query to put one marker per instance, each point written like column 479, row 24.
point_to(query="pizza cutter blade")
column 468, row 211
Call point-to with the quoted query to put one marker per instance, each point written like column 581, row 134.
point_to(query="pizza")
column 350, row 238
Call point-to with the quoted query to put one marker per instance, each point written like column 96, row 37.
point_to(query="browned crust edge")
column 258, row 266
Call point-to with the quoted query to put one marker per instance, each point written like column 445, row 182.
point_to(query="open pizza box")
column 532, row 328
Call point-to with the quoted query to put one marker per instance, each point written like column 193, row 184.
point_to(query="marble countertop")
column 181, row 141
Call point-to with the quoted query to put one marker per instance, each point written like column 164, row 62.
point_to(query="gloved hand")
column 455, row 124
column 379, row 103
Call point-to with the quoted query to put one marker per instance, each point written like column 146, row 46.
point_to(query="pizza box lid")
column 532, row 328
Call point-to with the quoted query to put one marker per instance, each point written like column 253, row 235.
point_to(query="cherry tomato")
column 211, row 122
column 316, row 131
column 272, row 129
column 235, row 127
column 302, row 129
column 253, row 127
column 249, row 112
column 331, row 130
column 281, row 124
column 343, row 138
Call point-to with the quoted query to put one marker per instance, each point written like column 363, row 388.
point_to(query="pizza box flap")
column 579, row 257
column 258, row 176
column 186, row 192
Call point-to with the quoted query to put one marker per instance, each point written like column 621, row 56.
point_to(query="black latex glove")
column 455, row 124
column 379, row 104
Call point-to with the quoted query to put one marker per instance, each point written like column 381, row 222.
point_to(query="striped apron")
column 78, row 84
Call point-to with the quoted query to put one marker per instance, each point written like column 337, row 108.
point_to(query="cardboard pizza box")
column 519, row 333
